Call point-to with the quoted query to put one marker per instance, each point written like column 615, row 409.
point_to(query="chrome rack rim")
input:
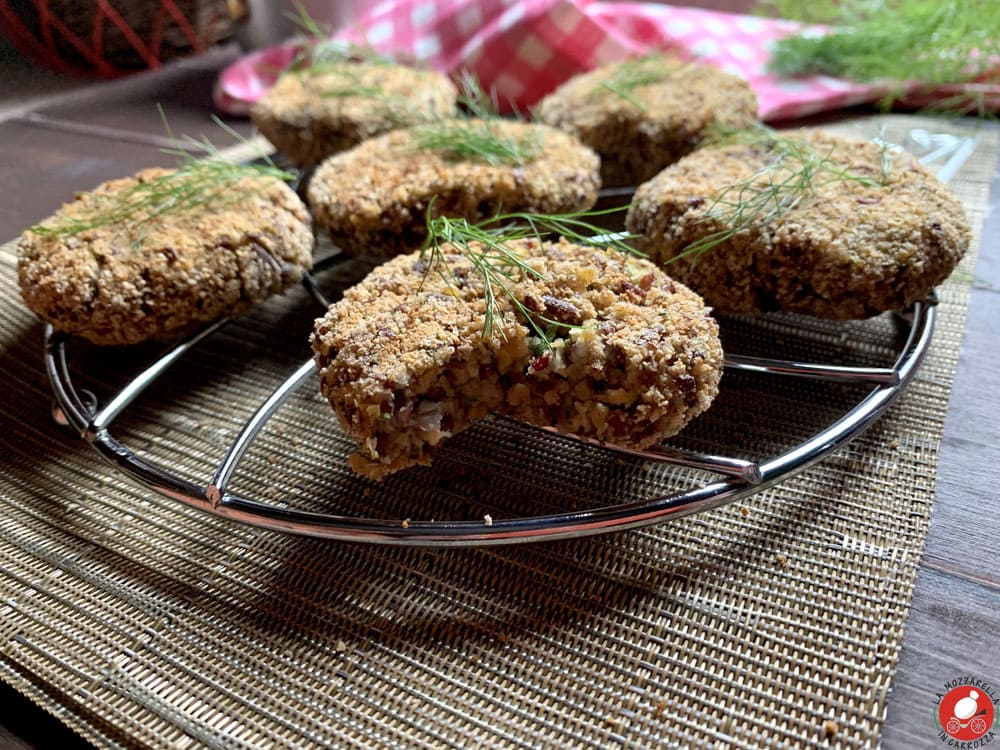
column 213, row 498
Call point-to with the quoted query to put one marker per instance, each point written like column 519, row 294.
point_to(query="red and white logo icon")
column 966, row 713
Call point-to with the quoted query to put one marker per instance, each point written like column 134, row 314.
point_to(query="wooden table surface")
column 60, row 136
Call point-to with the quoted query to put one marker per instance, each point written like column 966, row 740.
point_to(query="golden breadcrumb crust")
column 374, row 198
column 652, row 125
column 312, row 114
column 405, row 362
column 165, row 276
column 850, row 249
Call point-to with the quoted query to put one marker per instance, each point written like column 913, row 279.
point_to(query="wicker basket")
column 113, row 37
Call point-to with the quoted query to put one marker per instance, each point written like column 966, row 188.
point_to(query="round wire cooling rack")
column 731, row 475
column 736, row 477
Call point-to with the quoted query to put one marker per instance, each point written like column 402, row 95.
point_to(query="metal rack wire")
column 738, row 477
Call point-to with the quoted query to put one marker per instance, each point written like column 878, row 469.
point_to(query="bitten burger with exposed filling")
column 629, row 356
column 121, row 264
column 643, row 114
column 804, row 222
column 375, row 199
column 316, row 112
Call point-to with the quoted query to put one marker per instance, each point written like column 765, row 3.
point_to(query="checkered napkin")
column 526, row 48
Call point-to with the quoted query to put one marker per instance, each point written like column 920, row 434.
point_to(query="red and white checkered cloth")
column 524, row 49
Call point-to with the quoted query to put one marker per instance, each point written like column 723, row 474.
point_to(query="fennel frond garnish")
column 345, row 79
column 481, row 136
column 188, row 187
column 483, row 141
column 924, row 41
column 481, row 104
column 795, row 171
column 639, row 71
column 344, row 71
column 317, row 52
column 490, row 248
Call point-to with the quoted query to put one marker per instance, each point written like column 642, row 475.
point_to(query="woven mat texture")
column 777, row 621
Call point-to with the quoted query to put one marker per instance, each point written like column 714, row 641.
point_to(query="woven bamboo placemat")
column 140, row 622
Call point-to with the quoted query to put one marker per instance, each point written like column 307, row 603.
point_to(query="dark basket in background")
column 110, row 38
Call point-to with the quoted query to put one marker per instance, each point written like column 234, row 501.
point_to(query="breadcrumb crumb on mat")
column 830, row 729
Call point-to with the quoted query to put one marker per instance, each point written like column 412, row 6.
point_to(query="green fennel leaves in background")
column 927, row 41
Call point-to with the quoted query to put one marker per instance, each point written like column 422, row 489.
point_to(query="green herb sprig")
column 480, row 136
column 482, row 141
column 796, row 171
column 490, row 248
column 194, row 182
column 317, row 51
column 309, row 26
column 475, row 100
column 342, row 80
column 927, row 41
column 639, row 71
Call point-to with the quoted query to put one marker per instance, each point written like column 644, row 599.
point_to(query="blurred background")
column 51, row 46
column 108, row 39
